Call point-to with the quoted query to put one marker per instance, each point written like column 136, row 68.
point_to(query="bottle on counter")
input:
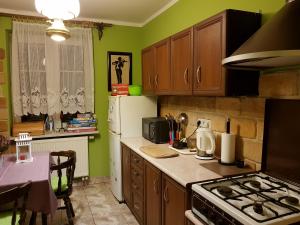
column 51, row 124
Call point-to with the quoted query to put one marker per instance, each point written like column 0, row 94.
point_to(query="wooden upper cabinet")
column 148, row 70
column 152, row 195
column 190, row 62
column 162, row 67
column 182, row 62
column 208, row 71
column 216, row 38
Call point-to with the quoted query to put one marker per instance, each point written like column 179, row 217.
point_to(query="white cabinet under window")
column 77, row 144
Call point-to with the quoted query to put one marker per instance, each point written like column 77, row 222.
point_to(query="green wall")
column 116, row 38
column 5, row 28
column 186, row 13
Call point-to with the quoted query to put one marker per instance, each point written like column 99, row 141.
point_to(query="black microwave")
column 156, row 129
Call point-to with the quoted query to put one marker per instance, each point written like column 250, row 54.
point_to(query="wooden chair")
column 18, row 197
column 62, row 184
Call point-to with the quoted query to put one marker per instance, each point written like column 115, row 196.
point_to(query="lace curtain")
column 50, row 77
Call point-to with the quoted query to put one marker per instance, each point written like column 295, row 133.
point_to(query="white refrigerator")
column 125, row 115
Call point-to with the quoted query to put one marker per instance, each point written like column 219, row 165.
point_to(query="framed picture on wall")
column 119, row 68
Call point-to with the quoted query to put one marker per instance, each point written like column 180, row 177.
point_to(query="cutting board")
column 158, row 151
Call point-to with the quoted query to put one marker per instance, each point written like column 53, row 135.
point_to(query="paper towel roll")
column 227, row 148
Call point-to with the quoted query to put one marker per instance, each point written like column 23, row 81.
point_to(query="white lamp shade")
column 58, row 9
column 57, row 31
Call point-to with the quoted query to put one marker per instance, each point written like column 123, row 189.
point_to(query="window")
column 49, row 77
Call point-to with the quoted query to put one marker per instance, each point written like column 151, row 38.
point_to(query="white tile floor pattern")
column 93, row 204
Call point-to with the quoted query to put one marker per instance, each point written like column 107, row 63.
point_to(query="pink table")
column 41, row 197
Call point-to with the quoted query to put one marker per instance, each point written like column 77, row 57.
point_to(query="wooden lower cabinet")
column 152, row 195
column 174, row 202
column 137, row 186
column 190, row 223
column 126, row 174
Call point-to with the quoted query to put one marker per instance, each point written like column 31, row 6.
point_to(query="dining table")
column 41, row 197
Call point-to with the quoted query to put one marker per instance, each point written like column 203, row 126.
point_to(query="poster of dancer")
column 119, row 68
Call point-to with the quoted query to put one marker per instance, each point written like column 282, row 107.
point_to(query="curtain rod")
column 71, row 23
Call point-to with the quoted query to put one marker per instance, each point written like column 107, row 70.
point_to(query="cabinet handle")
column 185, row 76
column 166, row 194
column 198, row 74
column 156, row 80
column 150, row 84
column 136, row 160
column 155, row 186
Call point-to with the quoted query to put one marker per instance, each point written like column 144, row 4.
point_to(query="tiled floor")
column 94, row 205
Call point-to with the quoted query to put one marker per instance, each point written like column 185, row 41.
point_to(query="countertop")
column 184, row 169
column 62, row 134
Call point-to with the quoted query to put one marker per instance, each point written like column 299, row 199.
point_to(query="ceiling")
column 121, row 12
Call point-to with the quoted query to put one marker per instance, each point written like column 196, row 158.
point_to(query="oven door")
column 210, row 214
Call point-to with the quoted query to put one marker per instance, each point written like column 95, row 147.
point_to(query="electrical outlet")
column 204, row 123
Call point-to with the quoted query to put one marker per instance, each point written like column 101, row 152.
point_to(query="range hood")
column 275, row 44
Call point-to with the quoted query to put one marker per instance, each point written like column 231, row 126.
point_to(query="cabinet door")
column 152, row 195
column 209, row 74
column 174, row 202
column 162, row 81
column 181, row 62
column 148, row 70
column 126, row 174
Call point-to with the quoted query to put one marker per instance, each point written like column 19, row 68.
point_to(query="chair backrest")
column 66, row 161
column 16, row 196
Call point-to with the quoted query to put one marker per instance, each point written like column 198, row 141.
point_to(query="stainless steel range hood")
column 275, row 44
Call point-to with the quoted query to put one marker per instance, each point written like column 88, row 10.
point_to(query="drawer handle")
column 166, row 198
column 156, row 80
column 185, row 76
column 136, row 160
column 136, row 206
column 135, row 173
column 135, row 187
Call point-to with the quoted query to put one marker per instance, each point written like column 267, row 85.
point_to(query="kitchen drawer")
column 137, row 187
column 137, row 175
column 138, row 207
column 137, row 160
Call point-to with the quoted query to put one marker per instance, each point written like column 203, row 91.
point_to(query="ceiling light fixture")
column 58, row 11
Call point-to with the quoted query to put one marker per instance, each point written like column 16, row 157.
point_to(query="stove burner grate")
column 224, row 190
column 255, row 184
column 226, row 193
column 290, row 200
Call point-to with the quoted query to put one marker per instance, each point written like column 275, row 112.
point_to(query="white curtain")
column 50, row 77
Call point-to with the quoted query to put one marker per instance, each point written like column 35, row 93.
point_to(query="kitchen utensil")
column 182, row 120
column 205, row 143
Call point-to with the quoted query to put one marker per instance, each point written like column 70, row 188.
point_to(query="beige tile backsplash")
column 246, row 113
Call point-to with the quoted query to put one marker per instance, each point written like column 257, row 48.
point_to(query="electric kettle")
column 205, row 142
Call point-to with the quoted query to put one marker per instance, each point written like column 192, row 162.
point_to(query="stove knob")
column 219, row 221
column 210, row 215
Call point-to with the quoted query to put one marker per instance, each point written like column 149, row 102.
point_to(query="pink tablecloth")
column 41, row 197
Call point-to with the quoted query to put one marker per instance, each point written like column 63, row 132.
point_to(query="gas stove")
column 246, row 199
column 271, row 196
